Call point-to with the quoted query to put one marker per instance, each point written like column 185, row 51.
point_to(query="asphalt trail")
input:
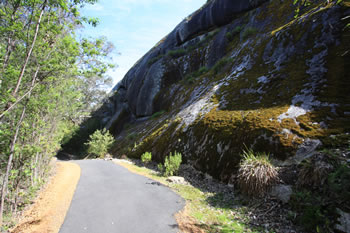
column 109, row 198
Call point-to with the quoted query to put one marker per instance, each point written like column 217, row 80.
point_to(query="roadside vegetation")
column 146, row 157
column 50, row 82
column 214, row 210
column 256, row 174
column 99, row 144
column 320, row 186
column 171, row 164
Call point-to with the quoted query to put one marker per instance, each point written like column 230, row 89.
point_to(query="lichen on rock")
column 273, row 82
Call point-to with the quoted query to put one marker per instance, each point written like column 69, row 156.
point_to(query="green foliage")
column 221, row 64
column 313, row 216
column 201, row 71
column 99, row 143
column 303, row 4
column 131, row 136
column 339, row 184
column 249, row 31
column 155, row 59
column 256, row 174
column 50, row 82
column 172, row 164
column 189, row 78
column 146, row 157
column 160, row 168
column 316, row 205
column 176, row 53
column 212, row 34
column 229, row 36
column 233, row 33
column 300, row 4
column 157, row 114
column 206, row 207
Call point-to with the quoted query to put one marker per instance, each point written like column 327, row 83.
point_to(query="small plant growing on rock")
column 176, row 53
column 157, row 114
column 221, row 64
column 256, row 174
column 146, row 157
column 99, row 143
column 249, row 31
column 171, row 164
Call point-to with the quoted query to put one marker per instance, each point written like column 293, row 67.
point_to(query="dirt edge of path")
column 50, row 207
column 187, row 224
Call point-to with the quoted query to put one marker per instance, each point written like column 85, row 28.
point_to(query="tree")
column 46, row 75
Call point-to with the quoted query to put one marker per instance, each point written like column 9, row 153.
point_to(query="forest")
column 51, row 79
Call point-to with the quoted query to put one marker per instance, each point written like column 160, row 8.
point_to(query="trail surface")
column 109, row 198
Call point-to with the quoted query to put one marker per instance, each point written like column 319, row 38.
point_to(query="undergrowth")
column 146, row 157
column 323, row 189
column 256, row 174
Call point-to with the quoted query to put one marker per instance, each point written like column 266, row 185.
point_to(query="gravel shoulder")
column 49, row 209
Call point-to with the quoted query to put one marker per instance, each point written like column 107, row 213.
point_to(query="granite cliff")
column 238, row 74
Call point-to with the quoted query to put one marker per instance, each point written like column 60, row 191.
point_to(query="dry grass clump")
column 256, row 174
column 314, row 172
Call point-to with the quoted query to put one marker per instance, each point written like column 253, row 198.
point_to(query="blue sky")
column 135, row 26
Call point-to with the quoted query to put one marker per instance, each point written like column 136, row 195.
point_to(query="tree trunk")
column 14, row 93
column 9, row 165
column 12, row 150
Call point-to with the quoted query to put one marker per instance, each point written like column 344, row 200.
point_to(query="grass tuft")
column 256, row 174
column 249, row 31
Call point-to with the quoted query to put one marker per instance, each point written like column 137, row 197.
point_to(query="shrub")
column 146, row 157
column 171, row 164
column 176, row 53
column 201, row 71
column 314, row 172
column 220, row 64
column 189, row 78
column 160, row 168
column 229, row 36
column 131, row 136
column 249, row 31
column 157, row 114
column 235, row 31
column 154, row 60
column 312, row 214
column 339, row 183
column 99, row 143
column 256, row 174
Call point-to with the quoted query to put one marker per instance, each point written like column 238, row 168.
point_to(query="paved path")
column 109, row 198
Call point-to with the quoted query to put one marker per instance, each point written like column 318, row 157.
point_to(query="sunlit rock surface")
column 238, row 74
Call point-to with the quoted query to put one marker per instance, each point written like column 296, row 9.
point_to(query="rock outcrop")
column 143, row 82
column 235, row 74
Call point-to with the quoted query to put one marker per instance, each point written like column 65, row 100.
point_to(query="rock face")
column 176, row 180
column 344, row 221
column 282, row 192
column 238, row 73
column 143, row 82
